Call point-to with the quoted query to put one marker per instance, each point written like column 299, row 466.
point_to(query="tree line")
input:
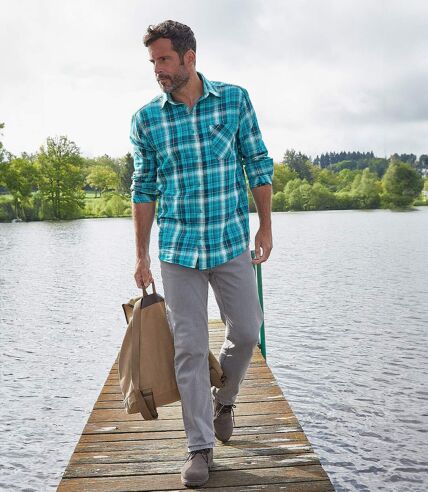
column 360, row 160
column 360, row 181
column 57, row 182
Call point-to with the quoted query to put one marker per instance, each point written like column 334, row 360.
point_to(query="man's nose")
column 159, row 74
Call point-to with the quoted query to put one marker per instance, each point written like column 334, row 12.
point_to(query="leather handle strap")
column 145, row 290
column 145, row 398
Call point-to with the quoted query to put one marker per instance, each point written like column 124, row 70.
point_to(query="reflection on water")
column 346, row 312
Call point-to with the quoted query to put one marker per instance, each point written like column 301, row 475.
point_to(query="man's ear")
column 190, row 57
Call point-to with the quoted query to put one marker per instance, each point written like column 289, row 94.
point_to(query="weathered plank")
column 144, row 466
column 218, row 478
column 166, row 412
column 268, row 450
column 255, row 432
column 246, row 394
column 275, row 441
column 177, row 424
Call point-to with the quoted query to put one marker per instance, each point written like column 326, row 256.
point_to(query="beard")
column 171, row 83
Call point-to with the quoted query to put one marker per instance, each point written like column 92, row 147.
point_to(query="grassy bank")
column 34, row 209
column 110, row 204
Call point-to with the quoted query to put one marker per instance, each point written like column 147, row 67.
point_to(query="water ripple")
column 346, row 310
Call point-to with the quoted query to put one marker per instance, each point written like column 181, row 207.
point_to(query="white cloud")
column 323, row 76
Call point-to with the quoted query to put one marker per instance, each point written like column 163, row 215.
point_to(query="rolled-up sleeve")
column 143, row 187
column 257, row 164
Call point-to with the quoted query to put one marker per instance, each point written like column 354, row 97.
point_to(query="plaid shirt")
column 194, row 162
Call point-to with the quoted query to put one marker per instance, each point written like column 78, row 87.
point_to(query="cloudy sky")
column 323, row 75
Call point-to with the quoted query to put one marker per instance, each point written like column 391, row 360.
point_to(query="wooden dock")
column 268, row 450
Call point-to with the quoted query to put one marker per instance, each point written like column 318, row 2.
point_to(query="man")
column 192, row 145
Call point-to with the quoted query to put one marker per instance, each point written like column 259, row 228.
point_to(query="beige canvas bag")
column 146, row 359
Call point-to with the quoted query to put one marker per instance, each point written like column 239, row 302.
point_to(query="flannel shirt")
column 193, row 162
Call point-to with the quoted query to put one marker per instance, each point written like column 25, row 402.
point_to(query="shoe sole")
column 193, row 484
column 196, row 484
column 220, row 439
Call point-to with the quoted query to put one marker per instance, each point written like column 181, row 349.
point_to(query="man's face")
column 170, row 73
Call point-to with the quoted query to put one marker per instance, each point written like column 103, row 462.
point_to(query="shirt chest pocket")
column 221, row 139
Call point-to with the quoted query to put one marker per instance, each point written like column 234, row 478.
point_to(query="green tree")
column 299, row 163
column 345, row 179
column 2, row 150
column 19, row 175
column 401, row 185
column 102, row 178
column 3, row 160
column 103, row 160
column 125, row 174
column 345, row 200
column 295, row 193
column 366, row 189
column 346, row 164
column 378, row 165
column 279, row 203
column 282, row 174
column 409, row 158
column 422, row 164
column 301, row 195
column 321, row 198
column 61, row 177
column 115, row 206
column 327, row 178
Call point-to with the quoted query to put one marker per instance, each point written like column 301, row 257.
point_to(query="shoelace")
column 226, row 409
column 203, row 452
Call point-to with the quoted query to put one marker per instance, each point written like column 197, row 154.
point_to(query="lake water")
column 346, row 310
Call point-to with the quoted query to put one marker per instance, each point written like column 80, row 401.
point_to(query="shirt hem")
column 168, row 259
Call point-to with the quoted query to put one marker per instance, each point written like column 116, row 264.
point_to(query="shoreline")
column 413, row 208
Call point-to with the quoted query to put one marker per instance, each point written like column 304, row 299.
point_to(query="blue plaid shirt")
column 193, row 162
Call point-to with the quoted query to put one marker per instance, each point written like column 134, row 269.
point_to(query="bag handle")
column 145, row 290
column 145, row 399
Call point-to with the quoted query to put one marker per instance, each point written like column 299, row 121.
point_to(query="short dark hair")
column 181, row 36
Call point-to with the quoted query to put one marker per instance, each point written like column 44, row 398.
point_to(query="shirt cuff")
column 138, row 197
column 261, row 180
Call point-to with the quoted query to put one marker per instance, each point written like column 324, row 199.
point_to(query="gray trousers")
column 186, row 300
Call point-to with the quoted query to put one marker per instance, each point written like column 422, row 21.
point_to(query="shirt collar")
column 207, row 88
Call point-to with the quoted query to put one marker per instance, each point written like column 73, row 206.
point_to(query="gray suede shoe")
column 195, row 471
column 223, row 423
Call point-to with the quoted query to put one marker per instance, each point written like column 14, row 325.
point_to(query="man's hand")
column 143, row 275
column 263, row 241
